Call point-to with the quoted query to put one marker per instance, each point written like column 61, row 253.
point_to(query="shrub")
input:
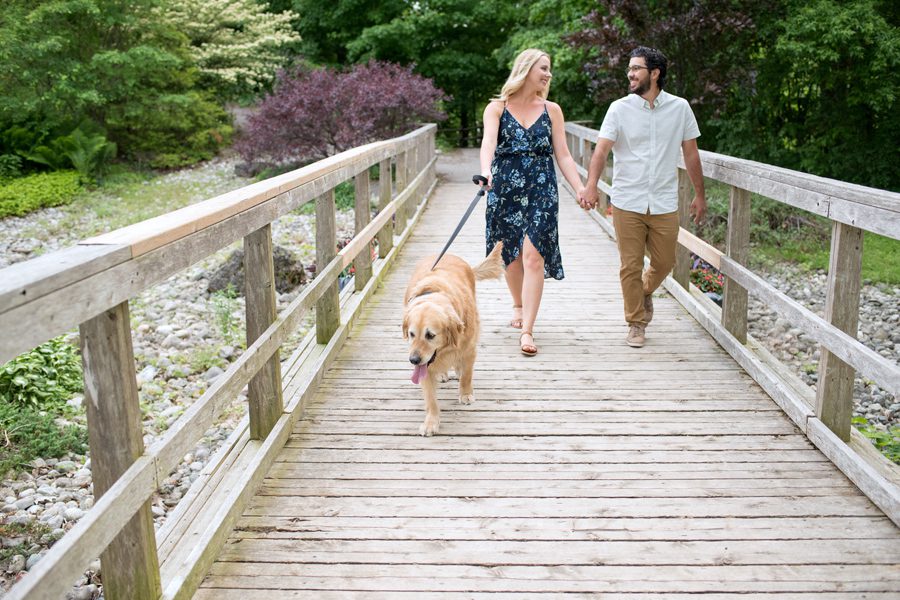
column 29, row 433
column 86, row 149
column 886, row 440
column 10, row 166
column 314, row 113
column 46, row 376
column 26, row 194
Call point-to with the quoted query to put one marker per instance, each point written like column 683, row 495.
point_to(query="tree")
column 546, row 25
column 236, row 45
column 707, row 42
column 314, row 113
column 826, row 95
column 451, row 42
column 64, row 61
column 326, row 28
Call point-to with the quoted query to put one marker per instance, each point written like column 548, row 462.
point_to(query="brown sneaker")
column 635, row 337
column 648, row 308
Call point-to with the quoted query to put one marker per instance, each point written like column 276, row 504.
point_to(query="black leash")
column 482, row 181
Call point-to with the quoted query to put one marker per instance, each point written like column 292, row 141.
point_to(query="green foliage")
column 174, row 129
column 30, row 533
column 224, row 304
column 85, row 149
column 546, row 24
column 21, row 196
column 826, row 95
column 46, row 376
column 707, row 279
column 236, row 44
column 10, row 166
column 29, row 433
column 886, row 440
column 64, row 61
column 450, row 42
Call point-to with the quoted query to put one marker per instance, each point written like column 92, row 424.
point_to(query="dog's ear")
column 455, row 326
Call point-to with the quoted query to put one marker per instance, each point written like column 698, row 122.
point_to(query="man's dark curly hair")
column 654, row 59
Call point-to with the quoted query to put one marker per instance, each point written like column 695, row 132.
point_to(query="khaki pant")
column 635, row 235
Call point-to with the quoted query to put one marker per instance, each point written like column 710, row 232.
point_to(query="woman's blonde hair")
column 522, row 65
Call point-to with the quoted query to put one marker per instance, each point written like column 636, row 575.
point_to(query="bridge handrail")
column 825, row 416
column 89, row 285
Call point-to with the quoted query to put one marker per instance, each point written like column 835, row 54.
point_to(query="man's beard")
column 641, row 89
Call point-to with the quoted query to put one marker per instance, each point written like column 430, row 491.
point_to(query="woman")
column 522, row 131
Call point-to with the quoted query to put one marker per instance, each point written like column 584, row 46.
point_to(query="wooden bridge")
column 696, row 465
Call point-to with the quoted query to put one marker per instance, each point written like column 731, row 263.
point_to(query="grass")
column 128, row 196
column 782, row 233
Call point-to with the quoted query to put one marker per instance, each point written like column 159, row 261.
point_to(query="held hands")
column 587, row 198
column 698, row 208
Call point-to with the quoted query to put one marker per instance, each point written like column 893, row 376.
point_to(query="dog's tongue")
column 419, row 372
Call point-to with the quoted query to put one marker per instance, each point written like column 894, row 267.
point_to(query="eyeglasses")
column 635, row 69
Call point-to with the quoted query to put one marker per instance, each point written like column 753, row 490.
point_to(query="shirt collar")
column 662, row 98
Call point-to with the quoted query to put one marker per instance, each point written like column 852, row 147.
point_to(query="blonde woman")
column 522, row 132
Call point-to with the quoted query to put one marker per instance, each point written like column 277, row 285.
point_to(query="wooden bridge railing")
column 89, row 286
column 852, row 209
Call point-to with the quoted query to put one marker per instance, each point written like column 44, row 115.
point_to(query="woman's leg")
column 532, row 288
column 514, row 283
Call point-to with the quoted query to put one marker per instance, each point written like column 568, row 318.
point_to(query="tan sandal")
column 527, row 349
column 516, row 322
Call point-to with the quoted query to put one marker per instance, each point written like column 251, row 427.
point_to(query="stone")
column 289, row 272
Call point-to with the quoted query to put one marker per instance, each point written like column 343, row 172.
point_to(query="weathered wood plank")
column 734, row 305
column 264, row 393
column 328, row 313
column 834, row 390
column 115, row 432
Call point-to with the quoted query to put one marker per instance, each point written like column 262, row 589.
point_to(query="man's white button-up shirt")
column 645, row 150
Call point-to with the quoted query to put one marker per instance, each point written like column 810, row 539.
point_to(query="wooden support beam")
column 682, row 271
column 115, row 434
column 266, row 402
column 362, row 266
column 834, row 392
column 386, row 234
column 734, row 304
column 402, row 180
column 328, row 311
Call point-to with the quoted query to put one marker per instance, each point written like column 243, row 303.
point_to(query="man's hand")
column 698, row 209
column 587, row 199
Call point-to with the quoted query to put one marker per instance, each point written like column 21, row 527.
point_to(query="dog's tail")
column 492, row 266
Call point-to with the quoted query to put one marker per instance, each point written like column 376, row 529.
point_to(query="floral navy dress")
column 524, row 199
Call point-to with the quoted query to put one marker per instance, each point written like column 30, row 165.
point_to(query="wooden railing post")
column 265, row 399
column 734, row 302
column 386, row 235
column 401, row 182
column 328, row 309
column 834, row 391
column 362, row 265
column 115, row 433
column 682, row 271
column 574, row 143
column 586, row 152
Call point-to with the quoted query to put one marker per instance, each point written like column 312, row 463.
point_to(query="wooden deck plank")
column 660, row 473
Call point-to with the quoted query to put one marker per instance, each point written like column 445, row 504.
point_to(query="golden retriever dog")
column 440, row 320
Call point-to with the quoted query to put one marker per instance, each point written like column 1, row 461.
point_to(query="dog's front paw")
column 430, row 426
column 466, row 398
column 445, row 377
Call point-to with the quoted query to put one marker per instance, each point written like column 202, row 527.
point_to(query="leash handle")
column 479, row 180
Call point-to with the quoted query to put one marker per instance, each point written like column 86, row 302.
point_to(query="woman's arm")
column 563, row 158
column 492, row 114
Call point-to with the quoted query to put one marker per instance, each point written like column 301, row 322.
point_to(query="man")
column 645, row 130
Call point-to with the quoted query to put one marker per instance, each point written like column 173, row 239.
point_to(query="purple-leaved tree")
column 314, row 113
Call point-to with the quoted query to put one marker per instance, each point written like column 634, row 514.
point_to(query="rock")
column 212, row 373
column 16, row 564
column 64, row 466
column 289, row 272
column 32, row 560
column 73, row 514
